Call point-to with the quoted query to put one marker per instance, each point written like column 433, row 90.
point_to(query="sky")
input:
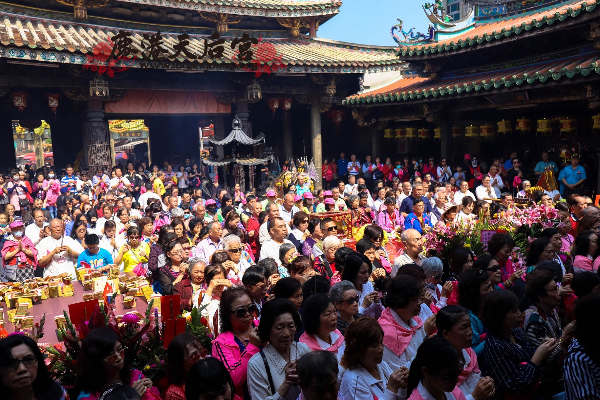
column 370, row 21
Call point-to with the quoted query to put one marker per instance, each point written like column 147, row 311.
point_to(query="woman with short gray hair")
column 434, row 270
column 345, row 298
column 232, row 244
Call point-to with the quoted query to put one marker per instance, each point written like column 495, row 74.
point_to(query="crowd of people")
column 297, row 312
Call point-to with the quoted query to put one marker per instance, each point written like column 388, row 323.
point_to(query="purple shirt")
column 206, row 248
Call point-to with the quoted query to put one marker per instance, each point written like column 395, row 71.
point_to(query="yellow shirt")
column 159, row 187
column 132, row 258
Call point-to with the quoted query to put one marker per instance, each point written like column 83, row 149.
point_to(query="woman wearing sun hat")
column 19, row 254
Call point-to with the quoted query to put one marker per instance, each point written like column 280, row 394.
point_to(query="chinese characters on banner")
column 118, row 54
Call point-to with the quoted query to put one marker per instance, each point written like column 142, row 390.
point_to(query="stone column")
column 287, row 136
column 96, row 139
column 317, row 145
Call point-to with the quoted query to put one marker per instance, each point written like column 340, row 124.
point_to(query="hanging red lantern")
column 20, row 100
column 53, row 101
column 287, row 104
column 274, row 104
column 336, row 115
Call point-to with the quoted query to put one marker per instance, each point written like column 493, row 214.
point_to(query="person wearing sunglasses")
column 104, row 363
column 434, row 372
column 434, row 270
column 345, row 298
column 232, row 244
column 184, row 351
column 23, row 371
column 489, row 264
column 238, row 340
column 133, row 253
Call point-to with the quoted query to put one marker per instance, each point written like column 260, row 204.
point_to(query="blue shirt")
column 342, row 167
column 102, row 259
column 507, row 164
column 571, row 175
column 542, row 165
column 412, row 222
column 407, row 205
column 65, row 181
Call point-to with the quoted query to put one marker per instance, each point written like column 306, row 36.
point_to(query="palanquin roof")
column 502, row 29
column 56, row 37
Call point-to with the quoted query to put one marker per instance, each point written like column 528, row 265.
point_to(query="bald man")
column 413, row 246
column 58, row 253
column 288, row 209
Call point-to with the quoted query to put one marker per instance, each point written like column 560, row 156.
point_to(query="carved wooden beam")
column 222, row 20
column 80, row 7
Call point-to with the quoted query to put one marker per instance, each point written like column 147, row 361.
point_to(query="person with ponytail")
column 434, row 372
column 403, row 330
column 454, row 324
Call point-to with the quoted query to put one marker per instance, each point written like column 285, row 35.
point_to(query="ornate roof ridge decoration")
column 417, row 88
column 500, row 29
column 80, row 6
column 252, row 8
column 41, row 39
column 222, row 20
column 294, row 25
column 239, row 136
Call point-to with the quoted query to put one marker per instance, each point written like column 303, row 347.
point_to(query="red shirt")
column 252, row 225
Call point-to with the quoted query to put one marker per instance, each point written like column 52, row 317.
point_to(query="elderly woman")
column 208, row 301
column 345, row 298
column 403, row 330
column 175, row 270
column 523, row 193
column 508, row 358
column 325, row 263
column 389, row 218
column 367, row 376
column 183, row 352
column 299, row 231
column 287, row 252
column 190, row 286
column 234, row 248
column 539, row 250
column 541, row 318
column 317, row 372
column 19, row 254
column 104, row 362
column 320, row 324
column 23, row 372
column 316, row 234
column 357, row 270
column 301, row 269
column 238, row 340
column 434, row 269
column 271, row 373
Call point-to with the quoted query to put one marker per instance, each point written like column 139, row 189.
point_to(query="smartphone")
column 379, row 295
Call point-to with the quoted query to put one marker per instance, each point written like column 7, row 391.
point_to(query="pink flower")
column 130, row 319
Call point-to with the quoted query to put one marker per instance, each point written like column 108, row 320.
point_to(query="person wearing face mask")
column 19, row 189
column 52, row 188
column 19, row 254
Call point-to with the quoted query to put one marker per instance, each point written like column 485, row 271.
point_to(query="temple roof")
column 56, row 40
column 260, row 8
column 503, row 28
column 414, row 88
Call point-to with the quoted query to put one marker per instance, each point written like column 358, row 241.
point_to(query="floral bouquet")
column 198, row 326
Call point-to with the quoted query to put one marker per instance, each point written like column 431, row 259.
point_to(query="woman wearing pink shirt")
column 238, row 340
column 52, row 188
column 389, row 219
